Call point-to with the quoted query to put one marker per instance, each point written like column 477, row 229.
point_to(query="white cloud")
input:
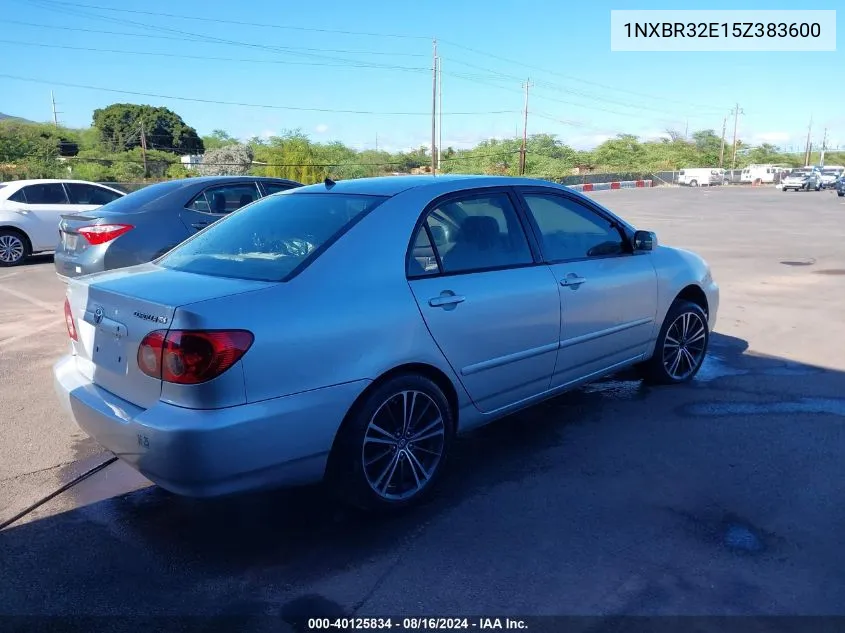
column 322, row 128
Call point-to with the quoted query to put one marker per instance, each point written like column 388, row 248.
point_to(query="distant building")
column 190, row 161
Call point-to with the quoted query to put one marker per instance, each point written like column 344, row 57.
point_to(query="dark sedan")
column 144, row 225
column 840, row 186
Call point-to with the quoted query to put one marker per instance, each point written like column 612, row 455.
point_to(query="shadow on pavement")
column 150, row 552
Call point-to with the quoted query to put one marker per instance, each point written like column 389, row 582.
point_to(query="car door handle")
column 200, row 225
column 572, row 280
column 446, row 300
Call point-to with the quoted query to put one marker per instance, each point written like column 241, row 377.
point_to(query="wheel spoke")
column 414, row 447
column 378, row 429
column 432, row 430
column 672, row 342
column 412, row 465
column 378, row 440
column 407, row 410
column 415, row 464
column 377, row 458
column 675, row 364
column 391, row 468
column 416, row 419
column 690, row 360
column 699, row 335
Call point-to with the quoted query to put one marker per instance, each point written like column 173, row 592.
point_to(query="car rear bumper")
column 69, row 265
column 204, row 453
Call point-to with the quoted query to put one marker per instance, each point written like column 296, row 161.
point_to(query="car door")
column 40, row 215
column 217, row 201
column 608, row 294
column 491, row 307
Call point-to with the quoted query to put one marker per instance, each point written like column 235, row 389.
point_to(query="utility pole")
column 376, row 141
column 686, row 130
column 824, row 147
column 144, row 149
column 722, row 149
column 524, row 148
column 434, row 110
column 55, row 114
column 736, row 112
column 807, row 146
column 440, row 109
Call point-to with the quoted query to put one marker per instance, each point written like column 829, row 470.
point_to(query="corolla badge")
column 98, row 316
column 150, row 317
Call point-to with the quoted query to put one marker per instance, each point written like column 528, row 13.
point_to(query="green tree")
column 217, row 139
column 120, row 125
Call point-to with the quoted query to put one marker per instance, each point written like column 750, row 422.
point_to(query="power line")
column 240, row 23
column 564, row 76
column 241, row 104
column 202, row 40
column 352, row 63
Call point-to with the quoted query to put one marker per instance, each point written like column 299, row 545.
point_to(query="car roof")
column 48, row 181
column 392, row 185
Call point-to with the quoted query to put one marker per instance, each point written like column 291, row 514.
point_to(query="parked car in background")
column 840, row 186
column 349, row 330
column 149, row 222
column 802, row 180
column 30, row 211
column 829, row 176
column 701, row 177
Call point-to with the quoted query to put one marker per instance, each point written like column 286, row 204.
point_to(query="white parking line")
column 54, row 323
column 50, row 307
column 7, row 275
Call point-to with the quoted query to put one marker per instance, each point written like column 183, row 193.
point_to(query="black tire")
column 840, row 194
column 693, row 183
column 655, row 370
column 14, row 248
column 351, row 475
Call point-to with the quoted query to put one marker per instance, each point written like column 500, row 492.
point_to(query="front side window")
column 225, row 198
column 471, row 234
column 267, row 241
column 570, row 230
column 49, row 193
column 89, row 194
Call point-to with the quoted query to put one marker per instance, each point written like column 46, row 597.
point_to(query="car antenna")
column 329, row 183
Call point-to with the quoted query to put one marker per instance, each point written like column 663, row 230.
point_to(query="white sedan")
column 30, row 211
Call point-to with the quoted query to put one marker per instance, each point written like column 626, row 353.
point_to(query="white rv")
column 766, row 174
column 701, row 177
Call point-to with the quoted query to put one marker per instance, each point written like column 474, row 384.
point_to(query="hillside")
column 6, row 117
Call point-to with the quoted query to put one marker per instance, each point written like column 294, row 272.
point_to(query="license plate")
column 69, row 241
column 109, row 347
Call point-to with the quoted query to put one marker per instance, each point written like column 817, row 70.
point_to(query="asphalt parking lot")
column 720, row 497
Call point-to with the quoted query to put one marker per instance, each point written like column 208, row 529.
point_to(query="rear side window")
column 89, row 194
column 267, row 241
column 225, row 198
column 50, row 193
column 275, row 187
column 18, row 196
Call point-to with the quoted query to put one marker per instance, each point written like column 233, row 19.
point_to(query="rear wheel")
column 393, row 446
column 14, row 248
column 693, row 183
column 681, row 345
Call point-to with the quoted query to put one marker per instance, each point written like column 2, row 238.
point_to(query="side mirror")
column 644, row 241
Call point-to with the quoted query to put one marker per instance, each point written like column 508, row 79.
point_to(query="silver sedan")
column 349, row 330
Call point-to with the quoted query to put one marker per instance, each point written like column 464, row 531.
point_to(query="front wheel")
column 14, row 248
column 681, row 345
column 693, row 183
column 393, row 446
column 841, row 193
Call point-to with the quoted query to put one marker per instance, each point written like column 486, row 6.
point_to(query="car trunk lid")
column 113, row 312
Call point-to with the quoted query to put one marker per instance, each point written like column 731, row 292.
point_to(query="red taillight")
column 71, row 326
column 189, row 357
column 102, row 233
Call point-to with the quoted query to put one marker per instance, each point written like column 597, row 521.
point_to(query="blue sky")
column 582, row 91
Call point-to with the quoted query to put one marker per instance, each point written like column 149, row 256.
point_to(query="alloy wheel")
column 11, row 248
column 684, row 345
column 403, row 445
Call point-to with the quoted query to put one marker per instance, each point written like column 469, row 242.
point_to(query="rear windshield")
column 267, row 240
column 133, row 202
